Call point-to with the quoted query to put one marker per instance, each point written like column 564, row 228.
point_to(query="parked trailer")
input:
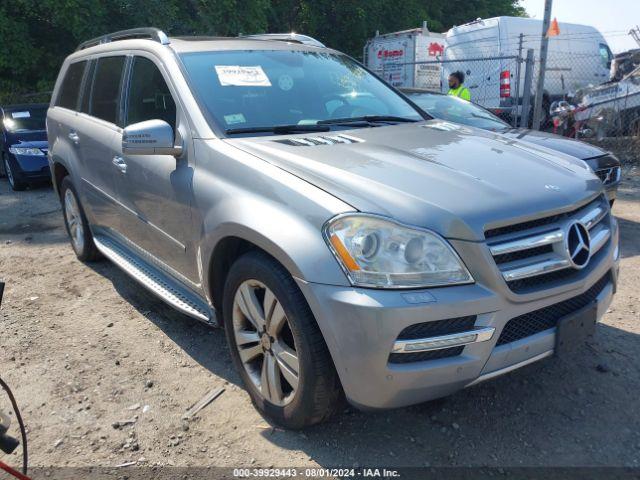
column 393, row 56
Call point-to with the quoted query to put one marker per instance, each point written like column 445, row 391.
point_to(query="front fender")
column 239, row 195
column 291, row 239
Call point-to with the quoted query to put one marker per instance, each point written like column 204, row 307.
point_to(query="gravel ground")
column 103, row 372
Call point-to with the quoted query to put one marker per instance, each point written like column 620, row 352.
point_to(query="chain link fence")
column 578, row 98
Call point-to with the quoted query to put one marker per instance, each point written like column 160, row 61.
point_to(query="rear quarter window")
column 70, row 87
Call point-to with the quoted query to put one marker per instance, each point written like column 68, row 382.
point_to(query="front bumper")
column 31, row 167
column 361, row 327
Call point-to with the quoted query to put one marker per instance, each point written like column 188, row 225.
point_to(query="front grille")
column 545, row 318
column 539, row 222
column 437, row 328
column 608, row 175
column 423, row 356
column 535, row 255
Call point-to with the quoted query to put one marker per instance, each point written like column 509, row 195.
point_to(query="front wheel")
column 276, row 344
column 15, row 183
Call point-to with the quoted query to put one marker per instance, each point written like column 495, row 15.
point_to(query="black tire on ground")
column 86, row 252
column 319, row 393
column 10, row 171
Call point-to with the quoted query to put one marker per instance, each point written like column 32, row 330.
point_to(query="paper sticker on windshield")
column 237, row 76
column 20, row 114
column 234, row 118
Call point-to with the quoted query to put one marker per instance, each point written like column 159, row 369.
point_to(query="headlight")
column 377, row 252
column 25, row 151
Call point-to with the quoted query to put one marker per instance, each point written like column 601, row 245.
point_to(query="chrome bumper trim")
column 510, row 368
column 481, row 334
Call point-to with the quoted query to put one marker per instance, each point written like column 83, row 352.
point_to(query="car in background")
column 446, row 107
column 23, row 144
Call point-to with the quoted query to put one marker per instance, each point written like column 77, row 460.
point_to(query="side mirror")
column 151, row 137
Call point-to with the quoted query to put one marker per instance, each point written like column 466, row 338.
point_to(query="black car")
column 445, row 107
column 23, row 145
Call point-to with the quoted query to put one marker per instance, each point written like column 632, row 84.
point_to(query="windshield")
column 25, row 119
column 243, row 90
column 453, row 109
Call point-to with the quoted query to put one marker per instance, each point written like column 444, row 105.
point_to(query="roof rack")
column 150, row 33
column 287, row 37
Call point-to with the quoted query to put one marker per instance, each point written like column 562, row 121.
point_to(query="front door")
column 157, row 189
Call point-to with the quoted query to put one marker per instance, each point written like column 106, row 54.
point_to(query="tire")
column 15, row 183
column 75, row 221
column 318, row 393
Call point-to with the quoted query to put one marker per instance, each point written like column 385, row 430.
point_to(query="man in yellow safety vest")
column 456, row 87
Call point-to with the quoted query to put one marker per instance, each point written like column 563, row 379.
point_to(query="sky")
column 614, row 18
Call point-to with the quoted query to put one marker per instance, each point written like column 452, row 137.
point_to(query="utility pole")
column 517, row 92
column 544, row 47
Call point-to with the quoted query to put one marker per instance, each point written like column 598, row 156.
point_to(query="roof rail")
column 150, row 33
column 287, row 37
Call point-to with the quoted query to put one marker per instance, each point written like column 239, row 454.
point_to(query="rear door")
column 156, row 189
column 99, row 121
column 62, row 120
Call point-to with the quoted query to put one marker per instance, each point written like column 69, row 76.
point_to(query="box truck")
column 393, row 56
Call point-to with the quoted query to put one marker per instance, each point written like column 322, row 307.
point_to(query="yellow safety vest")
column 461, row 92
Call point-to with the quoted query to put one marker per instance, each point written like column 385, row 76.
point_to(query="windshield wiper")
column 280, row 129
column 368, row 119
column 484, row 117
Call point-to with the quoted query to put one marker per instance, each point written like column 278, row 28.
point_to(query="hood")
column 35, row 138
column 565, row 145
column 433, row 174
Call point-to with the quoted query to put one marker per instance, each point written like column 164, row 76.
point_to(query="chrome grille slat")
column 599, row 239
column 592, row 217
column 524, row 245
column 527, row 243
column 538, row 268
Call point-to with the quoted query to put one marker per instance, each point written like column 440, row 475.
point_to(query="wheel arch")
column 58, row 172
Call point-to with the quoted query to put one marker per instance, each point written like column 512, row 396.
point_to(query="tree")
column 37, row 35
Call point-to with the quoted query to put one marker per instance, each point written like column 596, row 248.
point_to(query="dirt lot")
column 85, row 348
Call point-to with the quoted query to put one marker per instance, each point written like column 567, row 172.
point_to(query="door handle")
column 73, row 136
column 119, row 163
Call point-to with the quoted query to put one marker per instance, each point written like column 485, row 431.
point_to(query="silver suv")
column 349, row 246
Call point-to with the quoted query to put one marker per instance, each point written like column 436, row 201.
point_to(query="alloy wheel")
column 74, row 220
column 265, row 343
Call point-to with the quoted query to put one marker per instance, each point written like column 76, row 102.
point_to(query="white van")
column 578, row 57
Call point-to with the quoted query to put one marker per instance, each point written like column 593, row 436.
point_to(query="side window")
column 105, row 94
column 70, row 88
column 149, row 96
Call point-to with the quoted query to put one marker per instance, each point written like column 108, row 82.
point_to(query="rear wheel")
column 276, row 344
column 76, row 224
column 15, row 183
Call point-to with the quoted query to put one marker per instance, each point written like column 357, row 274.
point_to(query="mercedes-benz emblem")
column 578, row 245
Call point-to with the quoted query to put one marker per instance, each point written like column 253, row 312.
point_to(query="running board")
column 154, row 281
